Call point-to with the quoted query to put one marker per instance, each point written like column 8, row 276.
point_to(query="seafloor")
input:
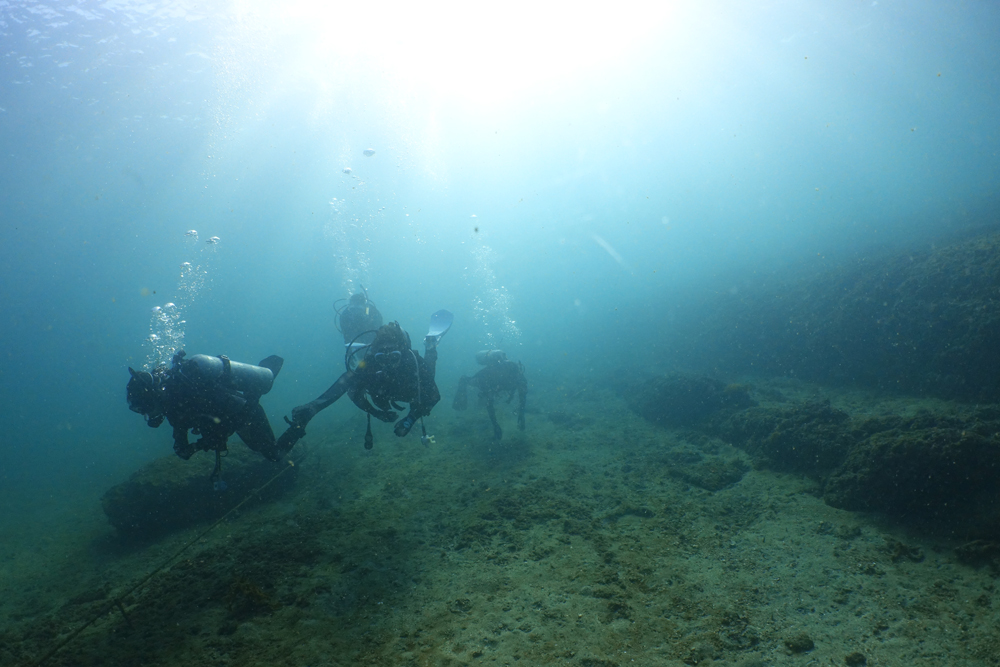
column 593, row 539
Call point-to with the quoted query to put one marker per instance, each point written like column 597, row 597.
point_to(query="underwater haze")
column 571, row 180
column 555, row 176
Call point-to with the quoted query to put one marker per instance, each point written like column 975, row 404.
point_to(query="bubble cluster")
column 492, row 303
column 348, row 230
column 166, row 322
column 166, row 335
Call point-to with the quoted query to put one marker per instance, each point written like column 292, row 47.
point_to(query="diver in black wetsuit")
column 359, row 319
column 499, row 375
column 389, row 372
column 211, row 396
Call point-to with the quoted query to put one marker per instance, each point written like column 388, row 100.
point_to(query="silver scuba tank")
column 251, row 380
column 487, row 357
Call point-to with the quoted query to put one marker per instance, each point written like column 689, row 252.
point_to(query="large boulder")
column 942, row 469
column 810, row 437
column 947, row 475
column 171, row 493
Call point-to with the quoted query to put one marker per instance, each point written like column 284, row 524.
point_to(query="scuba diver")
column 358, row 319
column 211, row 396
column 377, row 377
column 498, row 375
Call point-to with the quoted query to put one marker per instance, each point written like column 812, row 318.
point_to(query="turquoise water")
column 568, row 181
column 615, row 163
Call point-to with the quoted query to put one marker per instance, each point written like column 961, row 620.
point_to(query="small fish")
column 369, row 152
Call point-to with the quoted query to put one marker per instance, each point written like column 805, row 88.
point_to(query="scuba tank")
column 247, row 378
column 487, row 357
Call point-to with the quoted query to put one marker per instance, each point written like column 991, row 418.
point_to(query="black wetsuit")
column 375, row 387
column 357, row 318
column 215, row 410
column 216, row 414
column 496, row 378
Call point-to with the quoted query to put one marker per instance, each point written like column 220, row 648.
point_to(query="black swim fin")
column 273, row 364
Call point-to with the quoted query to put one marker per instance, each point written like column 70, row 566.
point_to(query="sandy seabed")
column 577, row 542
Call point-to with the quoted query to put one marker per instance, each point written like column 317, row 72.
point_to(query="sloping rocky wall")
column 918, row 322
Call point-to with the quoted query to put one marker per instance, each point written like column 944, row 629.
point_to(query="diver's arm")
column 303, row 414
column 182, row 447
column 180, row 437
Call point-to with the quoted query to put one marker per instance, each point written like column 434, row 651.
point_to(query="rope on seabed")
column 117, row 601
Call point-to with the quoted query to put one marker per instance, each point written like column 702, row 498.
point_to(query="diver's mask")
column 387, row 360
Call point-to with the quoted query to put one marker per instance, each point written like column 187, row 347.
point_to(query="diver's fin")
column 273, row 364
column 440, row 323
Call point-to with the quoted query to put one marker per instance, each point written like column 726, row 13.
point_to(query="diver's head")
column 391, row 337
column 488, row 357
column 387, row 350
column 359, row 299
column 143, row 395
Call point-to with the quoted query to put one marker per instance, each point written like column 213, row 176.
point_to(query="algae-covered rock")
column 810, row 437
column 171, row 493
column 681, row 400
column 947, row 473
column 711, row 473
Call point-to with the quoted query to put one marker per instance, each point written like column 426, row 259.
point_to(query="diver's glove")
column 404, row 425
column 431, row 342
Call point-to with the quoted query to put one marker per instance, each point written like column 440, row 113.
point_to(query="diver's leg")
column 430, row 360
column 256, row 432
column 497, row 432
column 522, row 397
